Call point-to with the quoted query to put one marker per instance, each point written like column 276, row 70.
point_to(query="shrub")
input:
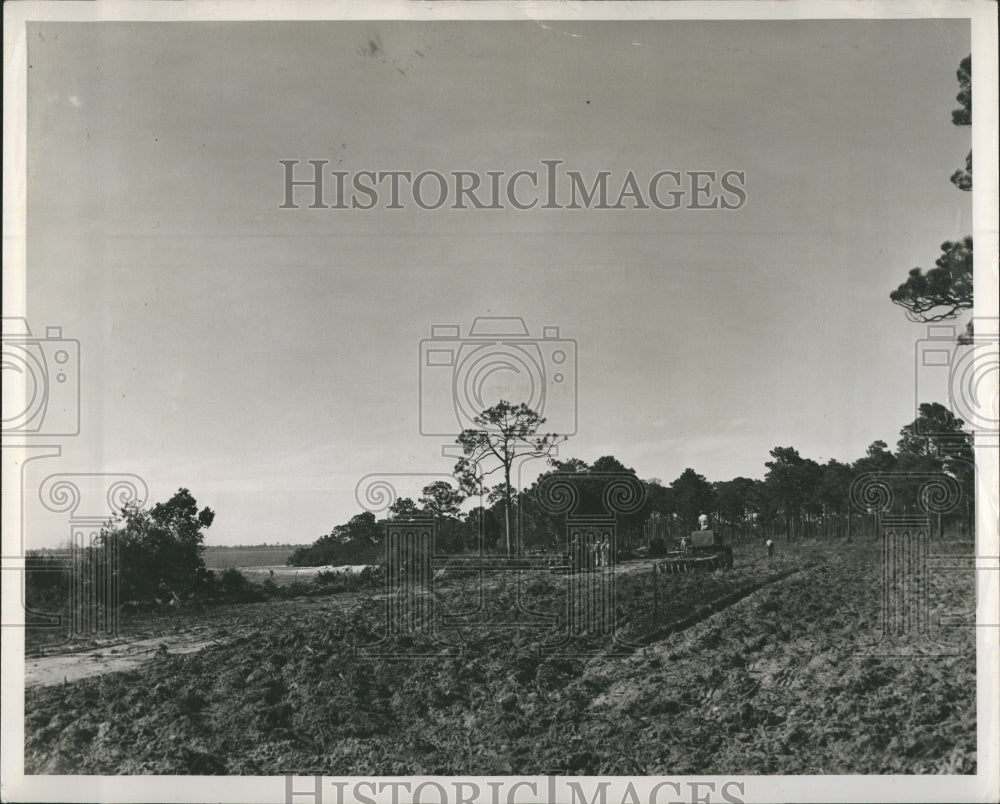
column 232, row 580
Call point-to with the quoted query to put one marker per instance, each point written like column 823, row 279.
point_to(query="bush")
column 331, row 581
column 370, row 576
column 295, row 589
column 46, row 584
column 232, row 580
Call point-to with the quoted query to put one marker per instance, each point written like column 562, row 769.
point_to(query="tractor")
column 702, row 550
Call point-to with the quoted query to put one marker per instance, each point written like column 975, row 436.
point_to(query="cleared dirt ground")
column 774, row 667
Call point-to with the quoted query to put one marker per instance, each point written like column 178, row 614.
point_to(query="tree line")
column 159, row 549
column 513, row 521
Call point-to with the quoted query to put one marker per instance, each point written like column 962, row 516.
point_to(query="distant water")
column 295, row 572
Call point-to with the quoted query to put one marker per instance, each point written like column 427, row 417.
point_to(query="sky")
column 267, row 359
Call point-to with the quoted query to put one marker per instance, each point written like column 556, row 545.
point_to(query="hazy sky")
column 267, row 359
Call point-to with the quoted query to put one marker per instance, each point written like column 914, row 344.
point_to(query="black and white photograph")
column 578, row 403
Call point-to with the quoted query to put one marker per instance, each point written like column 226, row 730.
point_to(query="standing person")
column 770, row 548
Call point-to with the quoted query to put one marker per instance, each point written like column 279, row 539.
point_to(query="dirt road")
column 45, row 671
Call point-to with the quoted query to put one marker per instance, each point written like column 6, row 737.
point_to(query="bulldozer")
column 702, row 550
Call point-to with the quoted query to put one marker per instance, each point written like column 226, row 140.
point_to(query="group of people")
column 602, row 552
column 595, row 554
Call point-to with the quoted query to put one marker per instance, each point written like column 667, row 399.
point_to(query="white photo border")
column 982, row 15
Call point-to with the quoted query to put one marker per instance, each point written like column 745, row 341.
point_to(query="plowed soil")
column 777, row 666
